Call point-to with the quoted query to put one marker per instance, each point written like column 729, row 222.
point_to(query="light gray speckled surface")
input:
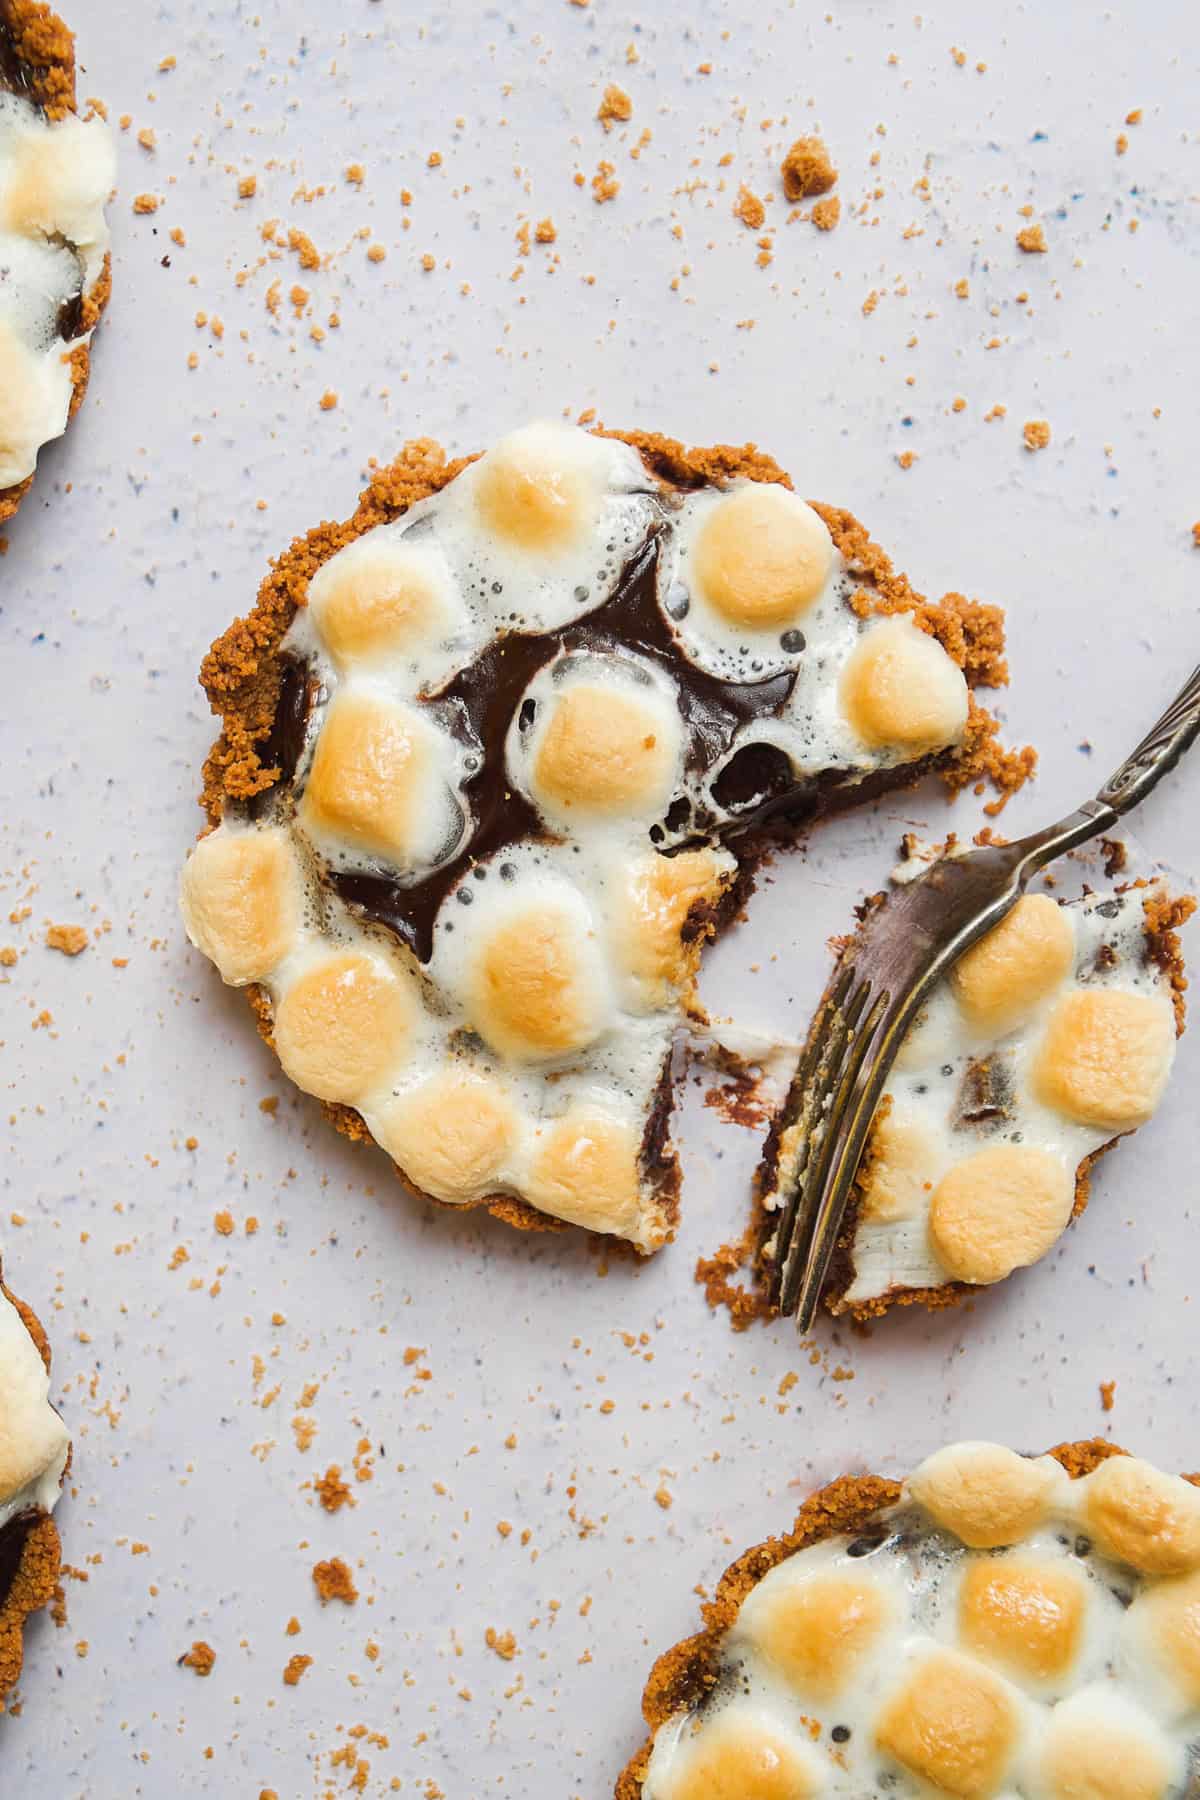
column 110, row 593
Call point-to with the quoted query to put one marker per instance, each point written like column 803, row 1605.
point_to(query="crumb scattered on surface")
column 826, row 213
column 806, row 169
column 296, row 1667
column 70, row 939
column 332, row 1491
column 605, row 186
column 1032, row 239
column 333, row 1581
column 1037, row 433
column 615, row 107
column 201, row 1658
column 749, row 209
column 1107, row 1392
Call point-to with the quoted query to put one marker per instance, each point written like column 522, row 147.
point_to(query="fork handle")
column 1159, row 750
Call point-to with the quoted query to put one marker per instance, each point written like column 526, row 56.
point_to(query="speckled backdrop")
column 626, row 1437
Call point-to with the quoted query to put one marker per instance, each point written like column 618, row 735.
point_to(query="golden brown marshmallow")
column 660, row 895
column 533, row 992
column 900, row 690
column 762, row 556
column 893, row 1181
column 1144, row 1517
column 604, row 752
column 953, row 1724
column 1003, row 977
column 985, row 1494
column 1105, row 1057
column 1167, row 1620
column 378, row 596
column 374, row 781
column 1091, row 1754
column 817, row 1632
column 736, row 1758
column 999, row 1210
column 530, row 494
column 241, row 901
column 450, row 1136
column 586, row 1170
column 1025, row 1616
column 345, row 1024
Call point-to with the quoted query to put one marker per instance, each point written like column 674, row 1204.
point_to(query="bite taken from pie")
column 498, row 756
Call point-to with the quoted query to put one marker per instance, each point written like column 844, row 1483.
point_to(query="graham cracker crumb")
column 1032, row 239
column 332, row 1491
column 201, row 1657
column 1037, row 433
column 333, row 1581
column 826, row 213
column 503, row 1643
column 296, row 1667
column 1107, row 1391
column 247, row 187
column 70, row 939
column 749, row 209
column 806, row 169
column 145, row 203
column 604, row 185
column 615, row 106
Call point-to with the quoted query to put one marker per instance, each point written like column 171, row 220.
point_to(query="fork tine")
column 820, row 1083
column 821, row 1048
column 826, row 1198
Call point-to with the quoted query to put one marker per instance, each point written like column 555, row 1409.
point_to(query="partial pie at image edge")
column 964, row 1701
column 268, row 704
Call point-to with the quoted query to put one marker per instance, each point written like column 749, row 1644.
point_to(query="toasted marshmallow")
column 894, row 1180
column 953, row 1724
column 901, row 691
column 605, row 751
column 342, row 1027
column 539, row 488
column 241, row 898
column 61, row 175
column 761, row 557
column 1008, row 973
column 1105, row 1057
column 1100, row 1747
column 741, row 1753
column 1163, row 1625
column 999, row 1210
column 33, row 1439
column 985, row 1494
column 585, row 1169
column 382, row 598
column 35, row 395
column 660, row 893
column 1025, row 1616
column 380, row 783
column 816, row 1630
column 536, row 988
column 1142, row 1516
column 451, row 1135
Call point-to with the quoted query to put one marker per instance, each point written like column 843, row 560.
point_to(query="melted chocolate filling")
column 13, row 1538
column 14, row 75
column 481, row 701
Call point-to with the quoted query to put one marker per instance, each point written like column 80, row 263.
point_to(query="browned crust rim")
column 685, row 1673
column 1164, row 914
column 36, row 1580
column 45, row 48
column 241, row 676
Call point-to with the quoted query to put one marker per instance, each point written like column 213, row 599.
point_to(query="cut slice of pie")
column 500, row 754
column 996, row 1625
column 1052, row 1038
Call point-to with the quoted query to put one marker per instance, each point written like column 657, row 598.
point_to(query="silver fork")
column 885, row 975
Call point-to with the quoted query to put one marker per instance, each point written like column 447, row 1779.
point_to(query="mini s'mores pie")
column 965, row 1635
column 57, row 170
column 1052, row 1037
column 34, row 1452
column 500, row 756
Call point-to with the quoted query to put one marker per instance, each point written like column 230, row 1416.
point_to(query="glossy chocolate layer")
column 481, row 701
column 13, row 1538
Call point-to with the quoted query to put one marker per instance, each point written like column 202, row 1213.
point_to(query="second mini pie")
column 498, row 756
column 996, row 1625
